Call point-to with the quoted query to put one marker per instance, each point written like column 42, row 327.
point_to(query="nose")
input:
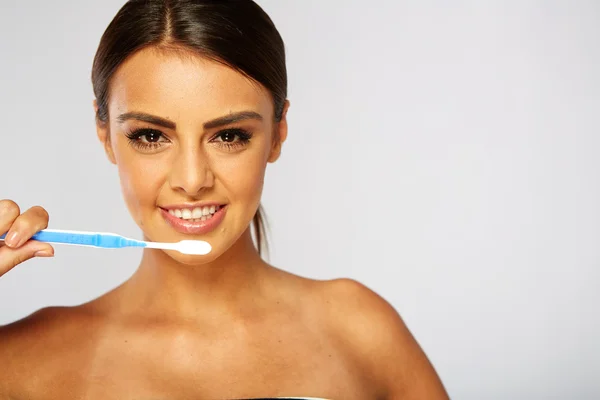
column 191, row 172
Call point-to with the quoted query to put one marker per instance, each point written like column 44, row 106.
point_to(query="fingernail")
column 12, row 239
column 43, row 253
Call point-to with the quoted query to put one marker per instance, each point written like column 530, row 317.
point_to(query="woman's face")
column 191, row 139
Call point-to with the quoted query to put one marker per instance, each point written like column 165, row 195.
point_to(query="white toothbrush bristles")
column 189, row 247
column 193, row 247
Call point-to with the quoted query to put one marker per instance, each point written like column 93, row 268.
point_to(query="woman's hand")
column 19, row 228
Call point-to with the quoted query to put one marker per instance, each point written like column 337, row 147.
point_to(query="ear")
column 280, row 134
column 103, row 132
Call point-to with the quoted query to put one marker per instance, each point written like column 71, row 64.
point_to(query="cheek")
column 244, row 177
column 140, row 182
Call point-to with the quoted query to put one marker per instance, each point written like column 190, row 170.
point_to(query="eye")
column 232, row 136
column 228, row 136
column 150, row 137
column 147, row 139
column 232, row 139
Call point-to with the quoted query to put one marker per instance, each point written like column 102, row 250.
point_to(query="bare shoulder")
column 374, row 332
column 39, row 344
column 28, row 333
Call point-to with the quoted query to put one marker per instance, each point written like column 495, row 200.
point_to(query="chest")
column 224, row 366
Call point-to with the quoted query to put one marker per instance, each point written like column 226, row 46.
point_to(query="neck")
column 164, row 287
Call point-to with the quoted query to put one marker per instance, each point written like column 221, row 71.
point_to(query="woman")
column 191, row 106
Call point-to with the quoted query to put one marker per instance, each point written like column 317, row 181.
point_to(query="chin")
column 191, row 260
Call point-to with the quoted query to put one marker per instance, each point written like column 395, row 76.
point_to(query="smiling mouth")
column 197, row 214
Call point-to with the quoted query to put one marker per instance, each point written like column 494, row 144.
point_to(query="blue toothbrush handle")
column 64, row 237
column 103, row 240
column 67, row 238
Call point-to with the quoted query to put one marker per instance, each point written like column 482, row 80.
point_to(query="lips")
column 194, row 220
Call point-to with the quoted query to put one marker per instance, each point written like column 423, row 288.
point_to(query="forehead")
column 178, row 85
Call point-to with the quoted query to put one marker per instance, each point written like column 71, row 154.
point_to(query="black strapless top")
column 286, row 398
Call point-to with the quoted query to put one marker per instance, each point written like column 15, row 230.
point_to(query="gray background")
column 443, row 153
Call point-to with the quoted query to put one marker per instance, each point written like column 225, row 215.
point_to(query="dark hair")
column 237, row 33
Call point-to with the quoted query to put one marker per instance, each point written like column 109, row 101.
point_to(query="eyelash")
column 242, row 135
column 135, row 136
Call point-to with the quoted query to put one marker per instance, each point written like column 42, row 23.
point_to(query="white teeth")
column 197, row 213
column 186, row 214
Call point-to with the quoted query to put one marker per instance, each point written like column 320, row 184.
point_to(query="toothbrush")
column 114, row 241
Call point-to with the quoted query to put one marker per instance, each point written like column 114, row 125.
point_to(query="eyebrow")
column 215, row 123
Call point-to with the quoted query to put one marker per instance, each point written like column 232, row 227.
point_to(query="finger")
column 10, row 258
column 9, row 211
column 26, row 225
